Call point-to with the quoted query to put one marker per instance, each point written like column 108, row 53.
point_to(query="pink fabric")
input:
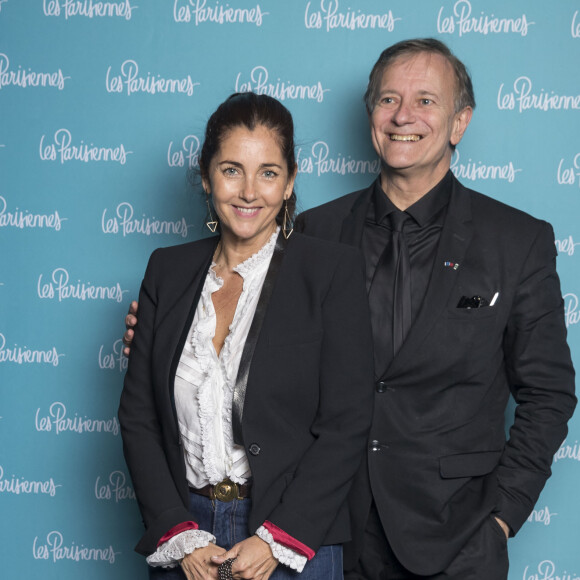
column 177, row 530
column 283, row 538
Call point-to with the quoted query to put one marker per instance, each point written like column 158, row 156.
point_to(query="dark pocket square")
column 472, row 302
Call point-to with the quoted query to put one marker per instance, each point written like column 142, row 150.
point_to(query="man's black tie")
column 392, row 281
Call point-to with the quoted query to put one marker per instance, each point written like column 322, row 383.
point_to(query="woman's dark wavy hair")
column 251, row 110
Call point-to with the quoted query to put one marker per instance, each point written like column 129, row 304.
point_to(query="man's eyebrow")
column 425, row 93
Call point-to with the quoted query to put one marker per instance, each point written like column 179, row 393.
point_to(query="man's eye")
column 387, row 100
column 426, row 101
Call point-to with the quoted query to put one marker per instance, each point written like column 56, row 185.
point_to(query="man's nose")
column 404, row 114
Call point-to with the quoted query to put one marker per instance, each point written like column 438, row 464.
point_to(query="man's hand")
column 199, row 564
column 504, row 527
column 254, row 559
column 130, row 322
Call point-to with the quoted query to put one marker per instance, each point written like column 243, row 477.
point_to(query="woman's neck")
column 232, row 251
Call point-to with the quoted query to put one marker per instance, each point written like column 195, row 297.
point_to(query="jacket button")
column 381, row 387
column 254, row 449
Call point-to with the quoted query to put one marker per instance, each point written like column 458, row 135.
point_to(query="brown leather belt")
column 225, row 490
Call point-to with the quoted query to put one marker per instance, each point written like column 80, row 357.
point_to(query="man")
column 466, row 307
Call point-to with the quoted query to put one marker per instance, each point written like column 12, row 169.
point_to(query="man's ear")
column 460, row 122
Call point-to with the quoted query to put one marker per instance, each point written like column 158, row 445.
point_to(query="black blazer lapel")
column 252, row 338
column 455, row 239
column 174, row 327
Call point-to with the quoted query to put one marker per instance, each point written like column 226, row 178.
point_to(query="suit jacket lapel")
column 353, row 224
column 455, row 239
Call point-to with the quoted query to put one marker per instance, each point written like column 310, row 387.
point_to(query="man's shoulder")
column 338, row 207
column 489, row 210
column 326, row 220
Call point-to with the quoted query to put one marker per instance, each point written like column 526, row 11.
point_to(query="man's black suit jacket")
column 442, row 464
column 309, row 396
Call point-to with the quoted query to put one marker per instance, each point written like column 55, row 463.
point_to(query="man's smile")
column 395, row 137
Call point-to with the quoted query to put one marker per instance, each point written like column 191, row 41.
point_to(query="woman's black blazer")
column 309, row 394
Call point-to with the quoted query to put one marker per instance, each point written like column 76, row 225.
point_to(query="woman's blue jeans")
column 228, row 522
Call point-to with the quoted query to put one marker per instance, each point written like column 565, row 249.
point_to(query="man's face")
column 414, row 122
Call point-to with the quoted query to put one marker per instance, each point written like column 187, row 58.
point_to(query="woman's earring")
column 287, row 226
column 210, row 221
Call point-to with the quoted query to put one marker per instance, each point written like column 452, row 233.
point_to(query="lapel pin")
column 451, row 265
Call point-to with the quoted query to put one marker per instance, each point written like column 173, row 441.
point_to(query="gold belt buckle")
column 226, row 490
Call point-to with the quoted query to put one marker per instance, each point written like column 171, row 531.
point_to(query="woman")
column 248, row 395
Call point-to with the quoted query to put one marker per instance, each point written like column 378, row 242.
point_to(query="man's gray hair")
column 463, row 97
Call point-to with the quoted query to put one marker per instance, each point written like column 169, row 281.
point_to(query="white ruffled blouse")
column 204, row 382
column 204, row 386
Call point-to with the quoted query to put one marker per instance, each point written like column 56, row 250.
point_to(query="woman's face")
column 248, row 179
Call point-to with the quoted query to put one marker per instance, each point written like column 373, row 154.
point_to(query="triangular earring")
column 287, row 226
column 210, row 221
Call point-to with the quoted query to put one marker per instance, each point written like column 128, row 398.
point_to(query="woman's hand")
column 254, row 559
column 199, row 565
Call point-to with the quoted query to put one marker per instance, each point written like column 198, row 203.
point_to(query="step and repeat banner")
column 102, row 109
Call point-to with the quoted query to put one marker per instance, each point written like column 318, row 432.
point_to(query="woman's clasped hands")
column 252, row 557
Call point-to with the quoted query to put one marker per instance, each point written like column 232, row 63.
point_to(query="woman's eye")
column 230, row 171
column 269, row 173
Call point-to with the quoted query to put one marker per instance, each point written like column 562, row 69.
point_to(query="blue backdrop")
column 102, row 108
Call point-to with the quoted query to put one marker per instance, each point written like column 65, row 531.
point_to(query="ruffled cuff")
column 284, row 555
column 170, row 553
column 177, row 530
column 281, row 537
